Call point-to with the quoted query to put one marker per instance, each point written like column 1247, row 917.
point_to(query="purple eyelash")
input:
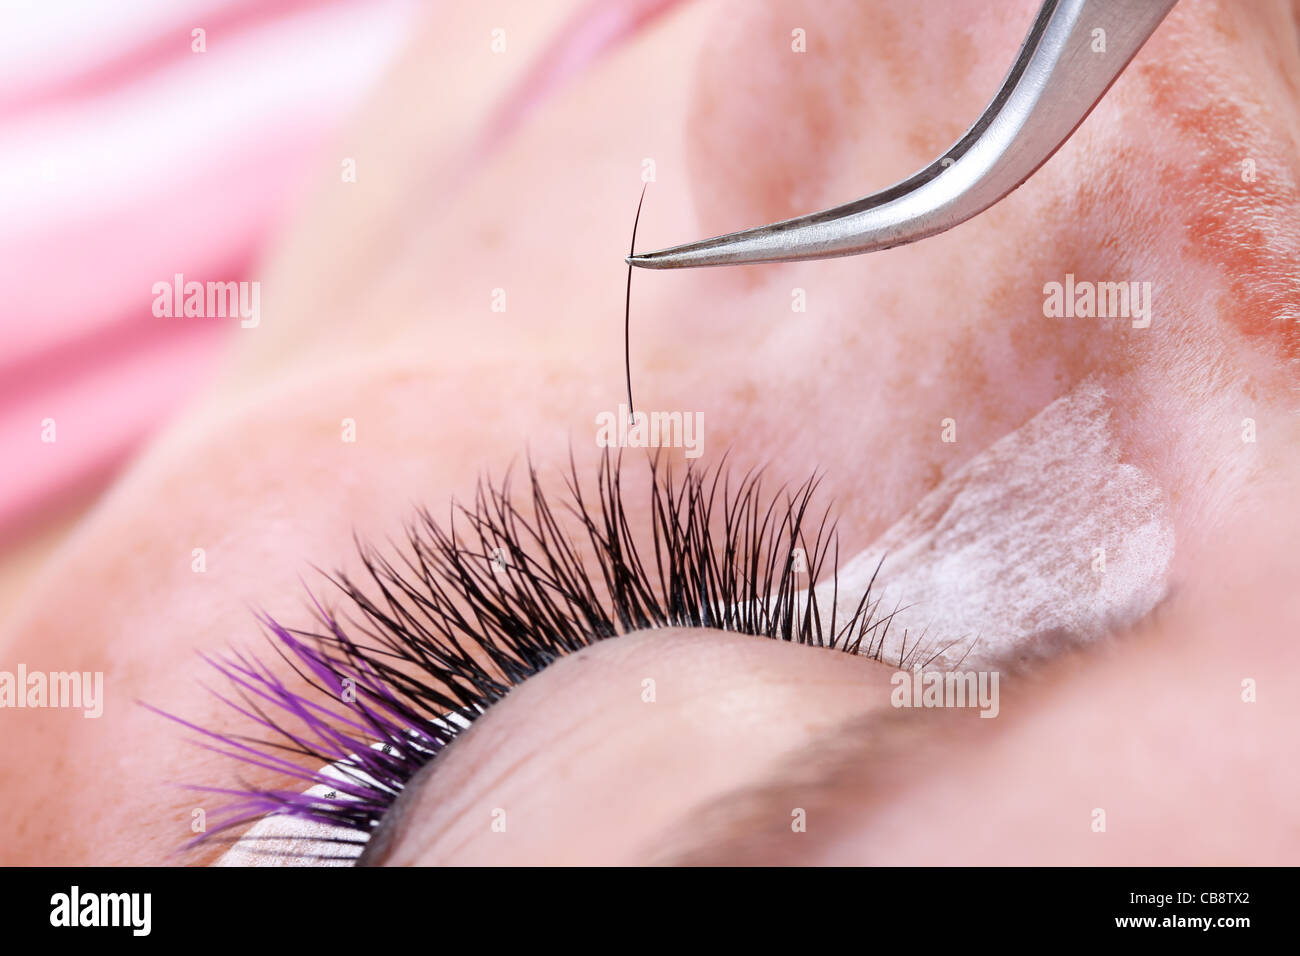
column 370, row 777
column 441, row 632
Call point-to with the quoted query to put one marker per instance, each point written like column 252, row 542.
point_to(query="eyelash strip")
column 431, row 639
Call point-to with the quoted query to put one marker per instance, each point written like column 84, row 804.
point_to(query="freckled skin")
column 1247, row 228
column 381, row 314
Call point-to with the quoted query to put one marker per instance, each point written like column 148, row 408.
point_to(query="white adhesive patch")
column 1045, row 538
column 283, row 840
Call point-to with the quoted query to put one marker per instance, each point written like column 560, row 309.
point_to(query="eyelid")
column 582, row 768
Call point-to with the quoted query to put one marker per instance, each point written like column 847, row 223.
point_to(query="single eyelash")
column 436, row 637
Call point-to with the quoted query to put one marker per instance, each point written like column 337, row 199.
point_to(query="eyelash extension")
column 436, row 635
column 627, row 305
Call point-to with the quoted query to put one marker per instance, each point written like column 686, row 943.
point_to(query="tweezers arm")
column 1075, row 50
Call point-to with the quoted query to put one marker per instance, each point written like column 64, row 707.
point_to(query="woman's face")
column 461, row 303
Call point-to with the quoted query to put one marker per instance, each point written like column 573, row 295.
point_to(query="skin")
column 376, row 308
column 726, row 713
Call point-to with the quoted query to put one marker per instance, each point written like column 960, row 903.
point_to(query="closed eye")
column 441, row 630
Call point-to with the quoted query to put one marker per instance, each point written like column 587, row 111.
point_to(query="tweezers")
column 1075, row 50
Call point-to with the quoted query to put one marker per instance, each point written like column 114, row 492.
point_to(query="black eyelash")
column 444, row 629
